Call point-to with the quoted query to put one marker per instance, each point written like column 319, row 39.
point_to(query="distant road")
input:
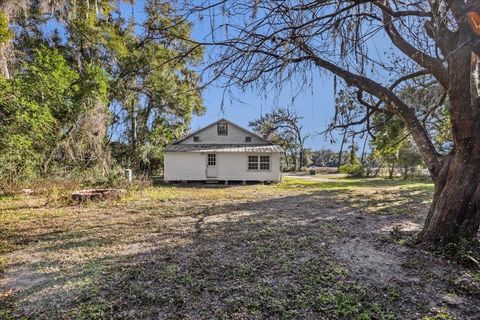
column 318, row 177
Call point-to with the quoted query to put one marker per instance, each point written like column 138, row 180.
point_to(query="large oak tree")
column 281, row 41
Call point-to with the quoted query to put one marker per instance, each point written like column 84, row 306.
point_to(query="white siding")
column 235, row 135
column 231, row 166
column 234, row 166
column 184, row 166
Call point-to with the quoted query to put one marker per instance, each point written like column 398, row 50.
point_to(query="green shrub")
column 352, row 170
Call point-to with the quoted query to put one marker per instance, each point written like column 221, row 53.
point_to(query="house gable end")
column 225, row 133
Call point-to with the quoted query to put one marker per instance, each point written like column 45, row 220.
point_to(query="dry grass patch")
column 237, row 252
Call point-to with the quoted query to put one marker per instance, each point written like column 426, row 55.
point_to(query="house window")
column 248, row 139
column 264, row 162
column 252, row 162
column 212, row 159
column 222, row 129
column 258, row 162
column 196, row 139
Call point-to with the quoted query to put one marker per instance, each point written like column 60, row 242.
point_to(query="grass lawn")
column 307, row 248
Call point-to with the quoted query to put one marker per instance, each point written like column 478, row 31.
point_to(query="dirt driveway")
column 334, row 177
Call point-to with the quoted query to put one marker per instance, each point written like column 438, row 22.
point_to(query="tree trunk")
column 455, row 210
column 378, row 170
column 293, row 154
column 391, row 170
column 300, row 158
column 4, row 71
column 352, row 157
column 363, row 149
column 341, row 150
column 133, row 134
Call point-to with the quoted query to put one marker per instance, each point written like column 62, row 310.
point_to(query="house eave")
column 221, row 148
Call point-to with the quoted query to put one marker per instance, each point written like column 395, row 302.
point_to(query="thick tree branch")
column 458, row 10
column 433, row 65
column 403, row 13
column 419, row 133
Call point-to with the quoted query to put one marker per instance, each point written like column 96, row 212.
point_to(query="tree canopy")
column 77, row 77
column 282, row 126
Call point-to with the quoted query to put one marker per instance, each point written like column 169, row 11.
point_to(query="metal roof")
column 253, row 148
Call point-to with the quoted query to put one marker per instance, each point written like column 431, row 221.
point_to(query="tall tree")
column 325, row 158
column 157, row 91
column 36, row 107
column 283, row 125
column 284, row 40
column 346, row 110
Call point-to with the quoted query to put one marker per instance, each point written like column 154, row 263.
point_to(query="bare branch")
column 387, row 96
column 434, row 65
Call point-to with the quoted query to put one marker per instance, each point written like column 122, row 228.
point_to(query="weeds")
column 195, row 252
column 464, row 252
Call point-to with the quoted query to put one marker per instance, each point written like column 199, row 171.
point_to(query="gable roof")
column 214, row 123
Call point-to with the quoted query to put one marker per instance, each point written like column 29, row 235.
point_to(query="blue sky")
column 315, row 104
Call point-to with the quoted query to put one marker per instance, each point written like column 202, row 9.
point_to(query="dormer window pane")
column 248, row 139
column 222, row 129
column 196, row 139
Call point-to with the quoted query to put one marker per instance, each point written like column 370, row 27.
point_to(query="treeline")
column 391, row 149
column 86, row 88
column 404, row 160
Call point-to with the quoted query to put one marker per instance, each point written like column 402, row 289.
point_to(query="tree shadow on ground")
column 294, row 256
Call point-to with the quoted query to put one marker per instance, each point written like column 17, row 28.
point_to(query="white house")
column 222, row 151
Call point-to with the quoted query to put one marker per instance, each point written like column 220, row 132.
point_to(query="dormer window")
column 248, row 139
column 196, row 139
column 222, row 128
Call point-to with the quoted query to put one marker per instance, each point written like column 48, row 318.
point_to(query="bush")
column 352, row 170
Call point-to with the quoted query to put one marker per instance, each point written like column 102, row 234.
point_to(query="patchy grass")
column 328, row 182
column 302, row 249
column 380, row 196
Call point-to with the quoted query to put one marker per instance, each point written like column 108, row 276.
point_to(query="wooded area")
column 85, row 90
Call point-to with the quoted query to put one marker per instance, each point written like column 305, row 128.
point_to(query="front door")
column 212, row 165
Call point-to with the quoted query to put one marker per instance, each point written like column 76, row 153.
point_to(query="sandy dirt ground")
column 309, row 248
